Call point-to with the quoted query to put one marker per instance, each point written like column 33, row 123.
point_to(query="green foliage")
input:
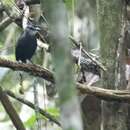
column 69, row 3
column 1, row 46
column 30, row 122
column 54, row 111
column 8, row 2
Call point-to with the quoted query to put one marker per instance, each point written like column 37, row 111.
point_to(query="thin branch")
column 5, row 22
column 11, row 111
column 31, row 105
column 87, row 54
column 30, row 2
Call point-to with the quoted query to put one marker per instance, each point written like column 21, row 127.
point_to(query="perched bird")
column 85, row 63
column 89, row 72
column 26, row 44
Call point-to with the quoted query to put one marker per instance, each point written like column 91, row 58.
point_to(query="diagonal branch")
column 87, row 54
column 5, row 22
column 31, row 105
column 11, row 111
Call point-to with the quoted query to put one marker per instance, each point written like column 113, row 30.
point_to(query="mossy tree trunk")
column 109, row 14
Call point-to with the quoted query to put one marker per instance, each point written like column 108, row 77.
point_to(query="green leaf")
column 30, row 122
column 8, row 2
column 69, row 3
column 54, row 111
column 1, row 46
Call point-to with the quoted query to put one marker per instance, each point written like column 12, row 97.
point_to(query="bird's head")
column 34, row 29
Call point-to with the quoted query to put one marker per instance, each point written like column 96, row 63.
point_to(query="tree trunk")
column 91, row 109
column 91, row 113
column 109, row 18
column 57, row 19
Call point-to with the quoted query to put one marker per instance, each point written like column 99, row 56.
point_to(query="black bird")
column 26, row 44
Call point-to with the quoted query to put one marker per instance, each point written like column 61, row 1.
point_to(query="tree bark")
column 109, row 19
column 11, row 111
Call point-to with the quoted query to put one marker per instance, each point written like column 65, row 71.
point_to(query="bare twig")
column 31, row 105
column 87, row 54
column 11, row 111
column 30, row 2
column 5, row 23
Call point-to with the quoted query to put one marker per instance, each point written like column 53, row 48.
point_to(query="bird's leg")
column 79, row 58
column 83, row 77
